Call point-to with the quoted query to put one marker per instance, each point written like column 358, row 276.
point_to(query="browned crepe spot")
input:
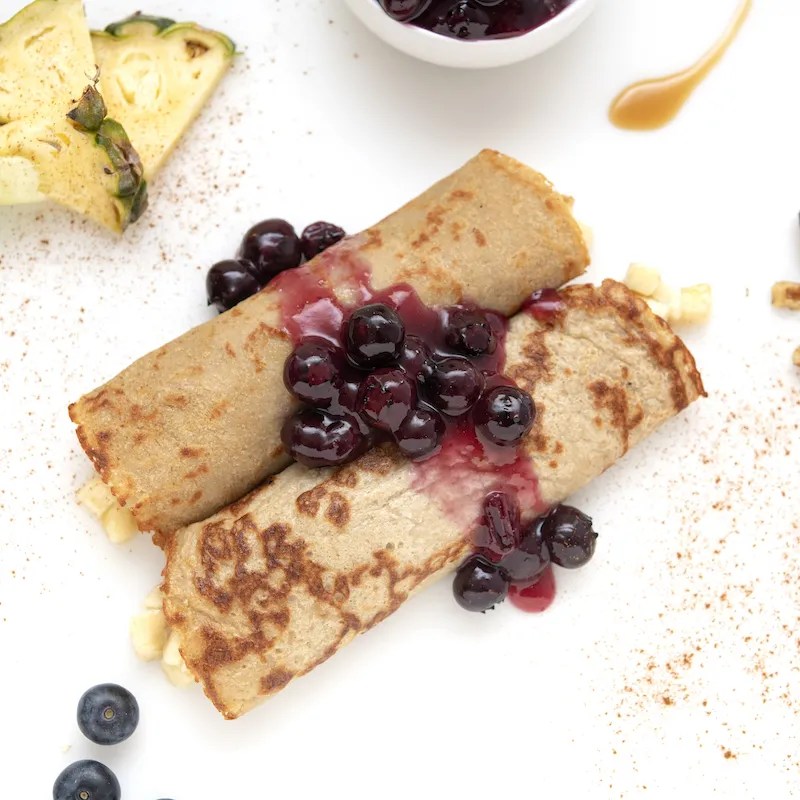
column 338, row 511
column 308, row 503
column 192, row 452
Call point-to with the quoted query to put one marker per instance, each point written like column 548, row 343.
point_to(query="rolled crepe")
column 272, row 586
column 196, row 424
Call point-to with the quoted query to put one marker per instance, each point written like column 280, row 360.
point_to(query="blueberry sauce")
column 380, row 365
column 475, row 19
column 537, row 597
column 545, row 306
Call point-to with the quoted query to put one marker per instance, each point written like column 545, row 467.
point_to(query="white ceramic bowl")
column 448, row 52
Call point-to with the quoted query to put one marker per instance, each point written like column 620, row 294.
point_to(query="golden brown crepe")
column 195, row 424
column 272, row 586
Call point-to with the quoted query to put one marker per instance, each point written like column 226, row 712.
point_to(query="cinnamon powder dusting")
column 720, row 631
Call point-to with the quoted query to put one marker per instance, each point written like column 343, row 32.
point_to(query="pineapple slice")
column 156, row 76
column 81, row 159
column 669, row 296
column 690, row 305
column 149, row 635
column 95, row 174
column 25, row 45
column 642, row 279
column 19, row 182
column 117, row 522
column 696, row 304
column 96, row 497
column 154, row 600
column 45, row 59
column 173, row 664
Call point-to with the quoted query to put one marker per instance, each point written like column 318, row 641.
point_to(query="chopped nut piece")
column 796, row 357
column 786, row 294
column 149, row 635
column 695, row 304
column 642, row 279
column 119, row 524
column 173, row 664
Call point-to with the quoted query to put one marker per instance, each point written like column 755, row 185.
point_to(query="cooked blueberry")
column 504, row 415
column 470, row 332
column 569, row 536
column 420, row 434
column 108, row 714
column 479, row 585
column 87, row 780
column 229, row 282
column 317, row 439
column 374, row 337
column 471, row 19
column 499, row 529
column 454, row 385
column 348, row 394
column 312, row 372
column 463, row 20
column 526, row 563
column 415, row 358
column 387, row 395
column 319, row 236
column 272, row 246
column 404, row 10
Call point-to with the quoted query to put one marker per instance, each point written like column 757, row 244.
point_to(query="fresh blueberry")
column 87, row 780
column 108, row 714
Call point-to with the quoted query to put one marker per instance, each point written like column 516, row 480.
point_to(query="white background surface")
column 650, row 667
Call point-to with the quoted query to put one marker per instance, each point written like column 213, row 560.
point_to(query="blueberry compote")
column 385, row 367
column 513, row 559
column 475, row 19
column 390, row 368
